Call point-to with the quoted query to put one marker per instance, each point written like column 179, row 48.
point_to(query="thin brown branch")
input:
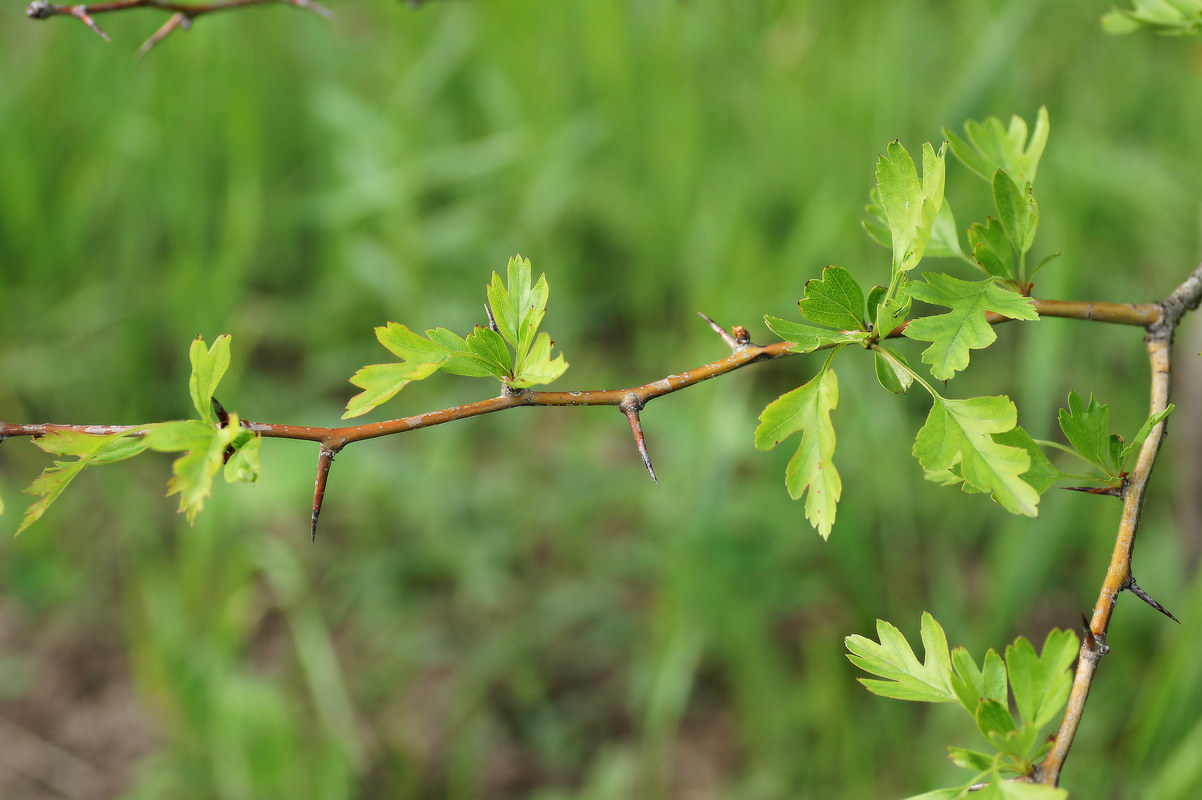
column 182, row 14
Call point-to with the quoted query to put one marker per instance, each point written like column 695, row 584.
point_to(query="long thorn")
column 1133, row 587
column 324, row 460
column 630, row 408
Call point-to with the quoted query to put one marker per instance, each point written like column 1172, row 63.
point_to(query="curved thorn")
column 177, row 21
column 324, row 460
column 1133, row 587
column 630, row 407
column 730, row 340
column 1110, row 491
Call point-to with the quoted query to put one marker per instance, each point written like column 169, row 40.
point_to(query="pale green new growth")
column 515, row 353
column 1169, row 17
column 991, row 147
column 1040, row 684
column 910, row 205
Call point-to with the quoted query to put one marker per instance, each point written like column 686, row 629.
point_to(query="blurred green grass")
column 507, row 607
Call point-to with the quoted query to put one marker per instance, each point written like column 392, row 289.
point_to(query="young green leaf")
column 208, row 367
column 1087, row 429
column 835, row 300
column 488, row 347
column 1142, row 434
column 1017, row 210
column 807, row 338
column 807, row 409
column 89, row 449
column 965, row 327
column 894, row 660
column 960, row 433
column 192, row 473
column 910, row 205
column 991, row 147
column 972, row 684
column 1041, row 683
column 892, row 370
column 1041, row 474
column 539, row 367
column 991, row 248
column 381, row 382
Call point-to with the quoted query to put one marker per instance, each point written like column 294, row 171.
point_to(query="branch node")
column 630, row 407
column 1133, row 587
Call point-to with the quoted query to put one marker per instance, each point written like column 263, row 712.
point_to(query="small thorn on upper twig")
column 316, row 8
column 736, row 341
column 81, row 14
column 324, row 460
column 179, row 20
column 1133, row 587
column 630, row 408
column 492, row 321
column 1110, row 491
column 1094, row 642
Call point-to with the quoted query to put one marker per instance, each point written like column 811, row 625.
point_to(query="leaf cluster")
column 510, row 348
column 216, row 441
column 1039, row 685
column 976, row 442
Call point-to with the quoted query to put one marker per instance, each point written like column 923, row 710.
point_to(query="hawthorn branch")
column 1134, row 491
column 182, row 14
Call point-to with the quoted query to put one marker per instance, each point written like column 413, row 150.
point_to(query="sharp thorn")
column 316, row 8
column 492, row 321
column 324, row 460
column 1111, row 491
column 631, row 410
column 1094, row 642
column 1133, row 587
column 732, row 342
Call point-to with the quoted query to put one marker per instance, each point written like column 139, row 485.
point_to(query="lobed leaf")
column 208, row 368
column 834, row 300
column 1087, row 429
column 894, row 660
column 90, row 449
column 972, row 684
column 990, row 146
column 1017, row 210
column 959, row 433
column 807, row 410
column 964, row 327
column 807, row 338
column 1041, row 683
column 910, row 205
column 539, row 367
column 991, row 248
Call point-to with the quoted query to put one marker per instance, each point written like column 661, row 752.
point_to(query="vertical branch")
column 1118, row 574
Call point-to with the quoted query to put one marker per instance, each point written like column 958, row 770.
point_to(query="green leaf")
column 965, row 327
column 1142, row 434
column 409, row 346
column 807, row 409
column 1042, row 474
column 518, row 310
column 945, row 236
column 462, row 361
column 807, row 338
column 539, row 367
column 991, row 249
column 1087, row 429
column 892, row 370
column 972, row 684
column 954, row 793
column 894, row 660
column 192, row 473
column 488, row 347
column 888, row 312
column 835, row 300
column 971, row 759
column 1041, row 683
column 90, row 449
column 991, row 147
column 381, row 382
column 993, row 718
column 1017, row 210
column 960, row 432
column 243, row 465
column 208, row 367
column 1013, row 790
column 910, row 205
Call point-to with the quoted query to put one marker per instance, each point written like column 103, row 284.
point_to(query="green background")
column 507, row 607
